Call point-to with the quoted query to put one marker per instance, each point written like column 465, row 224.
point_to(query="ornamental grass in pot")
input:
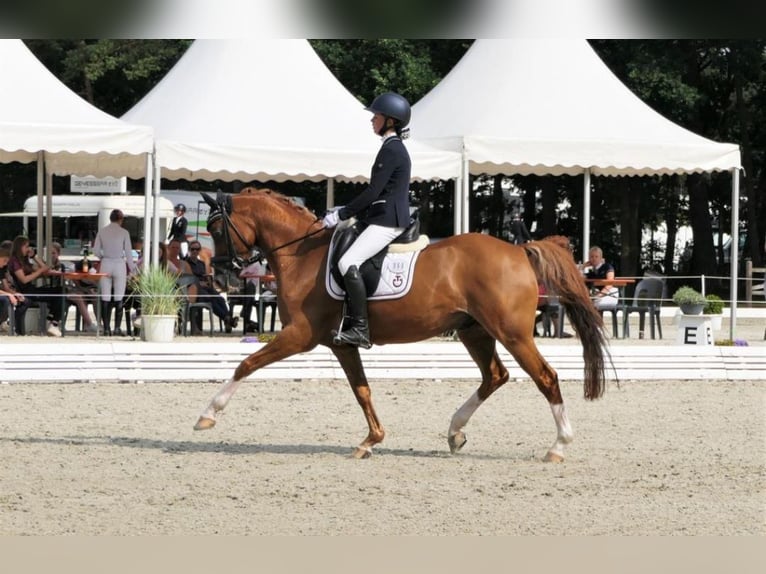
column 160, row 303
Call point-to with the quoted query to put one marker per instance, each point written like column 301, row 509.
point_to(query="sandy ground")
column 659, row 457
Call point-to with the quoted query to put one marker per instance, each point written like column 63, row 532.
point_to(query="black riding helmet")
column 394, row 106
column 180, row 207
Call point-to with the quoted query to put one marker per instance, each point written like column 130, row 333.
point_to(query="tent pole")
column 466, row 194
column 330, row 194
column 734, row 256
column 586, row 216
column 147, row 238
column 457, row 193
column 48, row 212
column 40, row 192
column 156, row 217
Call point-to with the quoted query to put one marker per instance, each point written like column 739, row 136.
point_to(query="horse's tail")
column 556, row 269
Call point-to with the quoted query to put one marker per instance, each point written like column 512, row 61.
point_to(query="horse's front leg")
column 351, row 363
column 285, row 344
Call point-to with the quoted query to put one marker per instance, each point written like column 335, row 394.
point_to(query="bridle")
column 220, row 210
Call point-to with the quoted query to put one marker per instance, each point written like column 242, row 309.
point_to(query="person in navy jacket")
column 384, row 206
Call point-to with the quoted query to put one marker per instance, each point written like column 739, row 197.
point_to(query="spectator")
column 206, row 289
column 253, row 276
column 25, row 268
column 10, row 299
column 186, row 280
column 519, row 232
column 113, row 247
column 75, row 291
column 604, row 296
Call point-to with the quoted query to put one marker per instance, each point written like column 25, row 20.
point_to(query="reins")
column 298, row 239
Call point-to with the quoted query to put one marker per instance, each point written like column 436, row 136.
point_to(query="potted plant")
column 714, row 307
column 160, row 303
column 689, row 300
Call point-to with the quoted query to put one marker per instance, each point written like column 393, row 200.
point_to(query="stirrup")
column 352, row 337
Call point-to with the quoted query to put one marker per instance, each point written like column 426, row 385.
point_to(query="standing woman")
column 115, row 250
column 24, row 275
column 384, row 207
column 178, row 229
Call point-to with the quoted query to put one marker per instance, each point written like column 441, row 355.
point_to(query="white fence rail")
column 195, row 362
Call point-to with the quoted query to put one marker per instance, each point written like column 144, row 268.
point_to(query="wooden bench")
column 199, row 362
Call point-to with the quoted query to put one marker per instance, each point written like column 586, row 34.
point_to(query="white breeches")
column 369, row 242
column 117, row 277
column 606, row 302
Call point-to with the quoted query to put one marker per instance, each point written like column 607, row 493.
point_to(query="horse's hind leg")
column 351, row 363
column 529, row 358
column 481, row 347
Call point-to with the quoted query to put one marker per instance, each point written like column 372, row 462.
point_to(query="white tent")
column 551, row 106
column 39, row 113
column 43, row 120
column 245, row 109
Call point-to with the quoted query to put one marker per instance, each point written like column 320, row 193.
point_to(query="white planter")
column 158, row 328
column 715, row 321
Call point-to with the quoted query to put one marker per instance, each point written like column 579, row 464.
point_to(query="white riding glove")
column 331, row 219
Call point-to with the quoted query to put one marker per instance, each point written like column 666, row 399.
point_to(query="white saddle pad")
column 395, row 276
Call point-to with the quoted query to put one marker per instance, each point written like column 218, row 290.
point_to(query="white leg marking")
column 464, row 413
column 221, row 399
column 563, row 429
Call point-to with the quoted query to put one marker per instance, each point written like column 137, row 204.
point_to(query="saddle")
column 370, row 269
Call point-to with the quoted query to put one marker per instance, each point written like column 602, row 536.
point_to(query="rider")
column 178, row 229
column 384, row 206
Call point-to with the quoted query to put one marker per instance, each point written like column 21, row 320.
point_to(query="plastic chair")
column 647, row 299
column 186, row 316
column 268, row 301
column 614, row 311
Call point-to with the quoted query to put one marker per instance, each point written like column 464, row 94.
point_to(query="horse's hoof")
column 553, row 457
column 456, row 441
column 204, row 423
column 361, row 452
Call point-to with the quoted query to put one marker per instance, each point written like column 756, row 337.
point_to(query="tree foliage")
column 716, row 88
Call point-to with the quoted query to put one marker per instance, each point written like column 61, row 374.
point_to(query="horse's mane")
column 282, row 200
column 560, row 240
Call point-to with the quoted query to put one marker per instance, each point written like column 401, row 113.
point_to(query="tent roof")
column 265, row 109
column 39, row 113
column 551, row 106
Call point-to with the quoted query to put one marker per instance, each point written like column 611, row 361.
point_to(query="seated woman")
column 76, row 291
column 604, row 296
column 206, row 289
column 170, row 259
column 25, row 268
column 11, row 301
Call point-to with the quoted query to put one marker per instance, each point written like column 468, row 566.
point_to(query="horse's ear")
column 209, row 200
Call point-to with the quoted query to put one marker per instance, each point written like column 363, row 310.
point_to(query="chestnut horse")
column 483, row 288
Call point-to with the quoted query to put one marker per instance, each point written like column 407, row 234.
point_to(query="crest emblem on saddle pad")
column 396, row 276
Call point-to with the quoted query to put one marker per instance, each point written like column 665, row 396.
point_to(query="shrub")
column 713, row 305
column 686, row 295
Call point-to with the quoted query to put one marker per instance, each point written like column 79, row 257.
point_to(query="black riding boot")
column 118, row 311
column 106, row 317
column 357, row 330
